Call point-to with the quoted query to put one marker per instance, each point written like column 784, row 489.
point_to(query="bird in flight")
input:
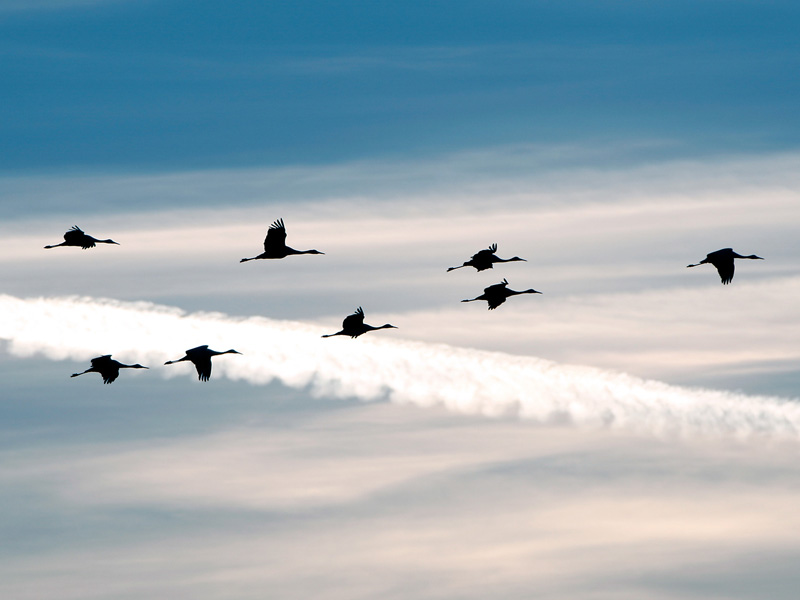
column 485, row 259
column 353, row 325
column 496, row 294
column 108, row 368
column 201, row 358
column 275, row 244
column 76, row 237
column 723, row 261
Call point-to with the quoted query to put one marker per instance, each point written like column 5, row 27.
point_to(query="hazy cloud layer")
column 387, row 502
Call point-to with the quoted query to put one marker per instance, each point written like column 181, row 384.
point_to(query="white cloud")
column 405, row 372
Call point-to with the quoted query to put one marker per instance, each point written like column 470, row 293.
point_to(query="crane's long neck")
column 512, row 259
column 57, row 245
column 172, row 362
column 458, row 267
column 342, row 332
column 702, row 262
column 293, row 251
column 136, row 366
column 231, row 351
column 515, row 293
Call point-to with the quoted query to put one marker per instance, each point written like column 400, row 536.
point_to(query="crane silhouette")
column 485, row 259
column 353, row 325
column 76, row 237
column 496, row 294
column 201, row 358
column 723, row 261
column 108, row 368
column 275, row 244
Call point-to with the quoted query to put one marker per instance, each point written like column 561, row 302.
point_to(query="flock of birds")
column 353, row 325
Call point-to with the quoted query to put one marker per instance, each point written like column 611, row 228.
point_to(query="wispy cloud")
column 692, row 332
column 590, row 172
column 607, row 246
column 462, row 380
column 428, row 506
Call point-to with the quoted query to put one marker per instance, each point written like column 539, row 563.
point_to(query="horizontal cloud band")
column 463, row 380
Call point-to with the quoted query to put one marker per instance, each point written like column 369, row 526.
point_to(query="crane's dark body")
column 107, row 367
column 723, row 261
column 275, row 244
column 76, row 237
column 200, row 357
column 354, row 326
column 485, row 259
column 496, row 294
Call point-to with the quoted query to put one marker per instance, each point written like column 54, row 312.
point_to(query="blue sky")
column 630, row 433
column 162, row 85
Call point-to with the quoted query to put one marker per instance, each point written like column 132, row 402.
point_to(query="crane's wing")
column 725, row 270
column 276, row 236
column 723, row 261
column 201, row 359
column 496, row 288
column 107, row 368
column 354, row 320
column 495, row 301
column 101, row 361
column 496, row 294
column 485, row 255
column 76, row 237
column 203, row 366
column 483, row 260
column 109, row 374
